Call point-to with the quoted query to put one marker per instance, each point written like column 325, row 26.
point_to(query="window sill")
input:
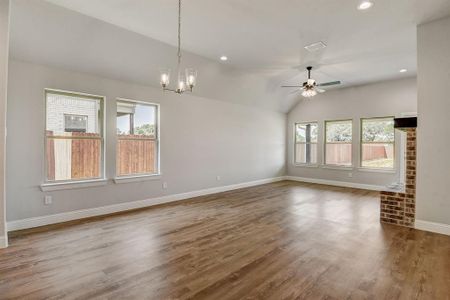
column 374, row 170
column 306, row 165
column 57, row 186
column 337, row 167
column 138, row 178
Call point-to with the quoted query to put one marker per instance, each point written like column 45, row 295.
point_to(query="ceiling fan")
column 310, row 87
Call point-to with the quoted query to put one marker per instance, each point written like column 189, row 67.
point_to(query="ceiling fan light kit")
column 309, row 93
column 310, row 87
column 185, row 80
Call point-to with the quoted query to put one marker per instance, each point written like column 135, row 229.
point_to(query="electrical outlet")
column 218, row 177
column 350, row 175
column 48, row 200
column 164, row 185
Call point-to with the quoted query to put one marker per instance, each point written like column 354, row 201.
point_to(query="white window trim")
column 373, row 169
column 324, row 156
column 143, row 177
column 337, row 167
column 377, row 170
column 70, row 184
column 294, row 156
column 306, row 165
column 137, row 178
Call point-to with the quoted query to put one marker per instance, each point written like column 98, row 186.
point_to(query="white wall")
column 200, row 139
column 433, row 136
column 388, row 98
column 4, row 47
column 69, row 40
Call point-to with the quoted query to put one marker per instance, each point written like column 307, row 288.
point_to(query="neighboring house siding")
column 58, row 106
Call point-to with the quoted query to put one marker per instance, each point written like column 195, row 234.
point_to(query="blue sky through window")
column 143, row 114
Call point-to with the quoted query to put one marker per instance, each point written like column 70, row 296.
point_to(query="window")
column 338, row 143
column 377, row 143
column 75, row 123
column 74, row 136
column 305, row 151
column 137, row 138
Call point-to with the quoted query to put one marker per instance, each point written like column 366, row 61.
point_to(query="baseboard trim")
column 3, row 242
column 104, row 210
column 338, row 183
column 432, row 227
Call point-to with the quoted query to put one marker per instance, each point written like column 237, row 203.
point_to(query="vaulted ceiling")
column 263, row 39
column 268, row 36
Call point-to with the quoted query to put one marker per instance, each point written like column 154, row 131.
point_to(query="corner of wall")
column 3, row 242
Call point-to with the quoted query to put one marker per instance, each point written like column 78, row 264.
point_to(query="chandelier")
column 185, row 80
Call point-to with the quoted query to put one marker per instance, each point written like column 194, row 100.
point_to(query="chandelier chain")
column 179, row 33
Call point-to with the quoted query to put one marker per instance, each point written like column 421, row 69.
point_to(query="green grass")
column 379, row 163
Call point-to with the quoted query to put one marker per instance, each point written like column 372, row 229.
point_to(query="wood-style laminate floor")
column 284, row 240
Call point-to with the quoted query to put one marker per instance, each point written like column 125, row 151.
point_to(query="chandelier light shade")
column 181, row 86
column 191, row 77
column 185, row 80
column 165, row 77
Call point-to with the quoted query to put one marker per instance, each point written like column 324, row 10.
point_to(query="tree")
column 145, row 129
column 339, row 132
column 378, row 131
column 304, row 130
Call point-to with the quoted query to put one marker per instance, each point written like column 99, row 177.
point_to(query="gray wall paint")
column 388, row 98
column 4, row 31
column 88, row 45
column 200, row 139
column 433, row 136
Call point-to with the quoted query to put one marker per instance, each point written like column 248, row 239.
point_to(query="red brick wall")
column 400, row 208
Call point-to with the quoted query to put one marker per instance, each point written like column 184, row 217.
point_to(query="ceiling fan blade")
column 292, row 86
column 329, row 83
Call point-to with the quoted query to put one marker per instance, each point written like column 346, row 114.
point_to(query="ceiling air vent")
column 315, row 46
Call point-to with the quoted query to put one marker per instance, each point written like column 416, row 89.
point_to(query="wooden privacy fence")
column 78, row 155
column 136, row 154
column 73, row 155
column 377, row 151
column 86, row 155
column 340, row 153
column 50, row 152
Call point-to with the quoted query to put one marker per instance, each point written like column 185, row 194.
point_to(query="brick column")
column 400, row 208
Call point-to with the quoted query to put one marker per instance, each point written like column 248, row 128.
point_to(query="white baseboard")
column 338, row 183
column 3, row 242
column 104, row 210
column 432, row 227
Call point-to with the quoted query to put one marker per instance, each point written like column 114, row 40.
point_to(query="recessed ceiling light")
column 403, row 70
column 363, row 5
column 223, row 58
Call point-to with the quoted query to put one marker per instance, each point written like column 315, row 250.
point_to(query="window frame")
column 130, row 177
column 361, row 143
column 295, row 144
column 102, row 138
column 325, row 145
